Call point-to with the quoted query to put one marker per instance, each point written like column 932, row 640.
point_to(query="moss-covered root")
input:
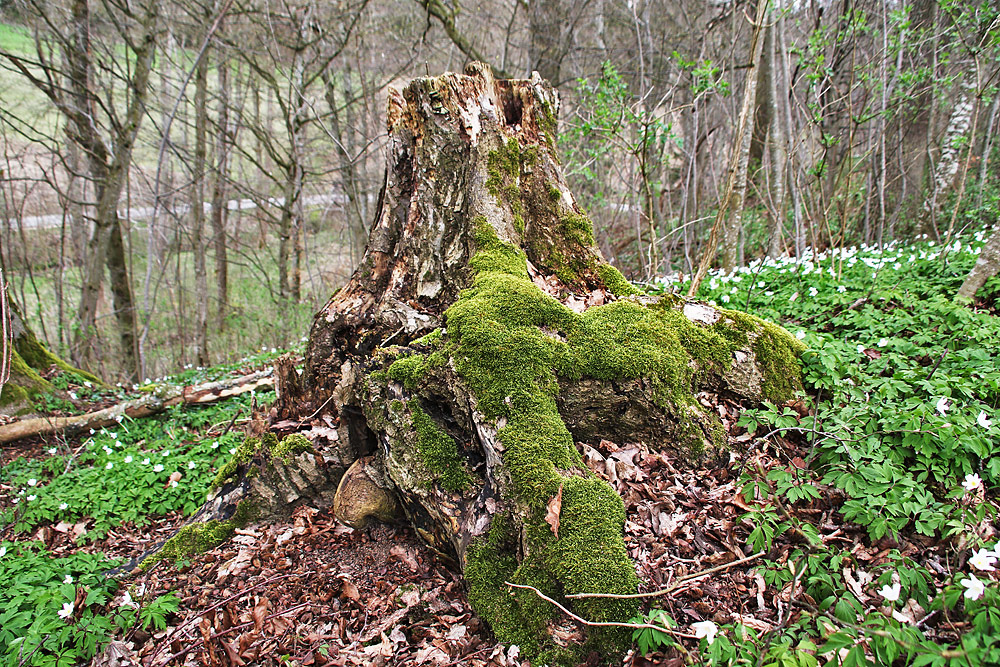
column 197, row 538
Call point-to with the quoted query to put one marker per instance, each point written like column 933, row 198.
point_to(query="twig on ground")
column 672, row 587
column 603, row 624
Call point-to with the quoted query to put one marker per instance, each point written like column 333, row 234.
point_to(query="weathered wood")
column 155, row 402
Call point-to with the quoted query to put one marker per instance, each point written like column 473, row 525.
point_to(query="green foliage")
column 40, row 622
column 905, row 385
column 648, row 640
column 122, row 474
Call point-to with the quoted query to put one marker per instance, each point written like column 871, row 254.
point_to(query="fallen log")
column 151, row 404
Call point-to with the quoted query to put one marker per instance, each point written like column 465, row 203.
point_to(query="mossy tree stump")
column 483, row 334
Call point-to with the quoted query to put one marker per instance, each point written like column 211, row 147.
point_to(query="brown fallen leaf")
column 175, row 476
column 552, row 510
column 259, row 613
column 232, row 653
column 349, row 590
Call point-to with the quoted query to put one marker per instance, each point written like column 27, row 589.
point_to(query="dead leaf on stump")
column 552, row 510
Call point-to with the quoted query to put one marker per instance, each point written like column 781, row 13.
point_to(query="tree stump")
column 483, row 336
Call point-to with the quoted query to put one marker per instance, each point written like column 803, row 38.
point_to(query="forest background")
column 183, row 181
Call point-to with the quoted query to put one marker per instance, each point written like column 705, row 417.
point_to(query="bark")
column 223, row 141
column 198, row 207
column 480, row 338
column 987, row 266
column 915, row 122
column 726, row 228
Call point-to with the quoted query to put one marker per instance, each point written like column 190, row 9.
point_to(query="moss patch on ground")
column 510, row 343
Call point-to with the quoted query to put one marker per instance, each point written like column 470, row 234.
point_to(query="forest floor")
column 839, row 528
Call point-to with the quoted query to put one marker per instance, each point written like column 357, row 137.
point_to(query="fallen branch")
column 602, row 624
column 152, row 404
column 674, row 586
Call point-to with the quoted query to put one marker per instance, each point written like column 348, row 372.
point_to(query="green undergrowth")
column 43, row 618
column 109, row 477
column 122, row 474
column 904, row 383
column 511, row 344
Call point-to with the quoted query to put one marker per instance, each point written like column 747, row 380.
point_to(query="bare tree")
column 105, row 133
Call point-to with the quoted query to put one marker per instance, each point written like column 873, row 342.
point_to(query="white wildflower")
column 942, row 406
column 891, row 593
column 983, row 420
column 972, row 482
column 158, row 467
column 68, row 579
column 974, row 588
column 706, row 629
column 66, row 611
column 983, row 561
column 109, row 465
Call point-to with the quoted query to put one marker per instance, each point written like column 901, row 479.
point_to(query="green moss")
column 777, row 351
column 504, row 167
column 244, row 454
column 37, row 356
column 511, row 343
column 439, row 453
column 519, row 223
column 408, row 370
column 24, row 382
column 495, row 256
column 196, row 538
column 290, row 445
column 578, row 227
column 614, row 281
column 433, row 338
column 554, row 194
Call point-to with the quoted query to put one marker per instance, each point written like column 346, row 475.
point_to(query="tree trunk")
column 480, row 338
column 28, row 360
column 987, row 266
column 198, row 207
column 223, row 140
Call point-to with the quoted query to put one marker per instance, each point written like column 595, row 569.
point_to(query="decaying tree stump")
column 480, row 338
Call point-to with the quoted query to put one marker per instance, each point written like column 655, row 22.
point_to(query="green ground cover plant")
column 904, row 385
column 61, row 610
